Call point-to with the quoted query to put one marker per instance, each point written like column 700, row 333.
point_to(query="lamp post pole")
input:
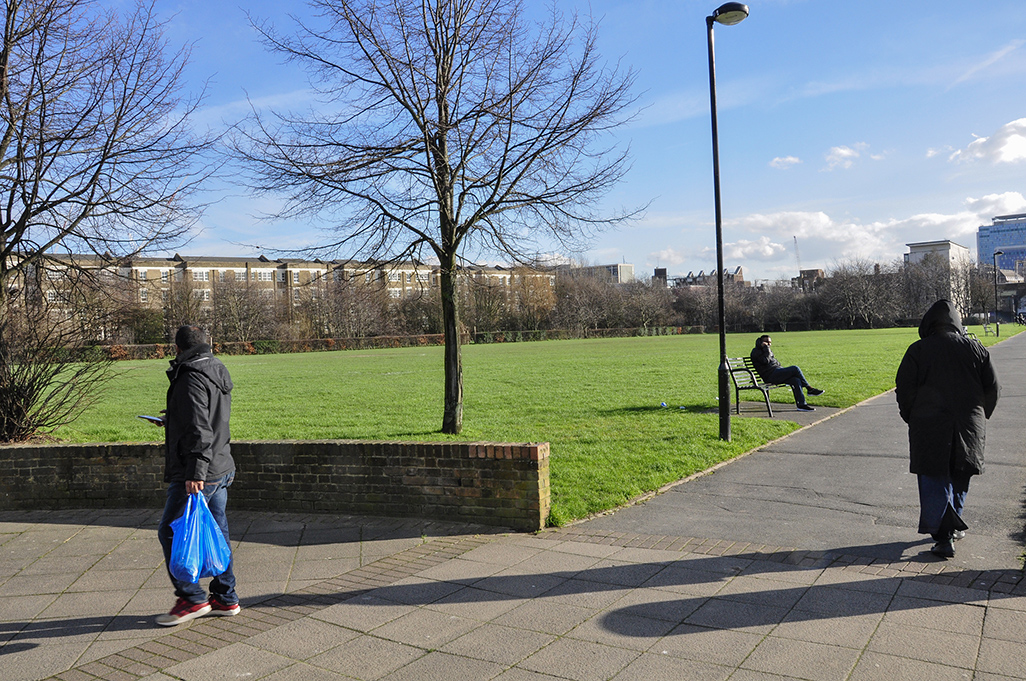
column 728, row 14
column 997, row 324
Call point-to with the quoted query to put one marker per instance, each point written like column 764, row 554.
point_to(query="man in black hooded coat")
column 946, row 390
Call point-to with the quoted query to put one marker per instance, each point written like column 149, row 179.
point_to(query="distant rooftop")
column 1006, row 218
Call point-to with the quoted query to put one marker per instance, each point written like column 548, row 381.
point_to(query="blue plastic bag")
column 198, row 548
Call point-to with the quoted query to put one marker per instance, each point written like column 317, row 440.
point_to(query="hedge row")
column 273, row 347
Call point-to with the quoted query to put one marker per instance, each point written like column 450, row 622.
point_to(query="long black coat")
column 946, row 389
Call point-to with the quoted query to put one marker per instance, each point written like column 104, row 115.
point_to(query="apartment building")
column 1007, row 234
column 154, row 281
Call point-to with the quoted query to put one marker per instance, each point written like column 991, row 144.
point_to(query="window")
column 51, row 296
column 163, row 276
column 202, row 294
column 395, row 276
column 220, row 276
column 142, row 275
column 144, row 295
column 265, row 275
column 281, row 276
column 295, row 294
column 295, row 277
column 200, row 275
column 163, row 295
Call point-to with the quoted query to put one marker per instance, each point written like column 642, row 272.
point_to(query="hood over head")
column 941, row 317
column 199, row 358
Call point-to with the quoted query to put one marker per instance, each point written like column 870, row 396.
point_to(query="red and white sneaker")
column 219, row 609
column 183, row 612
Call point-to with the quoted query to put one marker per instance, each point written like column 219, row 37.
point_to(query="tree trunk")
column 452, row 419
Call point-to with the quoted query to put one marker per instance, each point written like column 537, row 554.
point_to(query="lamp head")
column 730, row 13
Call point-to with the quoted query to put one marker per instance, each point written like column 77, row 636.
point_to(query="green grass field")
column 596, row 401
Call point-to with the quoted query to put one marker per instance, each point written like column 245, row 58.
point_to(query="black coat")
column 764, row 361
column 199, row 405
column 946, row 389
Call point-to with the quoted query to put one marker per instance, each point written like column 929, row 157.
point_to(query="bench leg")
column 765, row 396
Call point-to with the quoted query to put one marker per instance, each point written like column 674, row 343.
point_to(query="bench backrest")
column 742, row 372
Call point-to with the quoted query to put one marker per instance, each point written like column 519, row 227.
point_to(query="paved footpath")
column 798, row 561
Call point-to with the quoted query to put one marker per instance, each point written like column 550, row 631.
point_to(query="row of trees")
column 855, row 294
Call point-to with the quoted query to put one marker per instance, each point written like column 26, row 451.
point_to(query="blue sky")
column 849, row 126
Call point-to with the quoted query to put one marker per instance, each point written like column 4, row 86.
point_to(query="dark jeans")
column 935, row 496
column 793, row 377
column 223, row 585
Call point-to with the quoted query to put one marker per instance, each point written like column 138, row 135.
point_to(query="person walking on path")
column 946, row 389
column 197, row 459
column 770, row 371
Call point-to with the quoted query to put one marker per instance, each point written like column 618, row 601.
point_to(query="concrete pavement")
column 799, row 561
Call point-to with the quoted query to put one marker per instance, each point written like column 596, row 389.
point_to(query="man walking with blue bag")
column 197, row 459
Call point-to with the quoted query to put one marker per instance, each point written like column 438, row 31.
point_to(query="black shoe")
column 944, row 549
column 805, row 407
column 814, row 391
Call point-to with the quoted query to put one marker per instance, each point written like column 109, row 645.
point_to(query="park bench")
column 744, row 376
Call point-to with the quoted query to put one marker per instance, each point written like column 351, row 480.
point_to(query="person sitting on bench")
column 770, row 371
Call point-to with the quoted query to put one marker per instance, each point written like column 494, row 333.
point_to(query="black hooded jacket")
column 199, row 404
column 946, row 389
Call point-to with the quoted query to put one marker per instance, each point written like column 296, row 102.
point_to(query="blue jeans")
column 222, row 586
column 793, row 377
column 936, row 494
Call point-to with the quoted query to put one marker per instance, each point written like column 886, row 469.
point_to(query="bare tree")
column 448, row 125
column 860, row 294
column 44, row 360
column 240, row 312
column 96, row 152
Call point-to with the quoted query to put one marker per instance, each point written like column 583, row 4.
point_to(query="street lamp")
column 727, row 14
column 997, row 324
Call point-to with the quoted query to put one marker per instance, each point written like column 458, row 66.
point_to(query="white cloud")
column 784, row 162
column 823, row 239
column 993, row 205
column 1007, row 145
column 931, row 152
column 989, row 61
column 667, row 256
column 761, row 249
column 844, row 156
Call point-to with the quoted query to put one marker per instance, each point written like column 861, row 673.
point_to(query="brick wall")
column 488, row 483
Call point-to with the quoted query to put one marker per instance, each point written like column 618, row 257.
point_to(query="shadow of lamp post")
column 727, row 14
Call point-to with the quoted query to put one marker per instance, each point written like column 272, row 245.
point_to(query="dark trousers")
column 793, row 377
column 941, row 500
column 223, row 585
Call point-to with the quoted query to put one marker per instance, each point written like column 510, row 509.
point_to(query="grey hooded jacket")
column 199, row 404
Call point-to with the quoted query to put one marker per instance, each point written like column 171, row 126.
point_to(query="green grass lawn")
column 596, row 401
